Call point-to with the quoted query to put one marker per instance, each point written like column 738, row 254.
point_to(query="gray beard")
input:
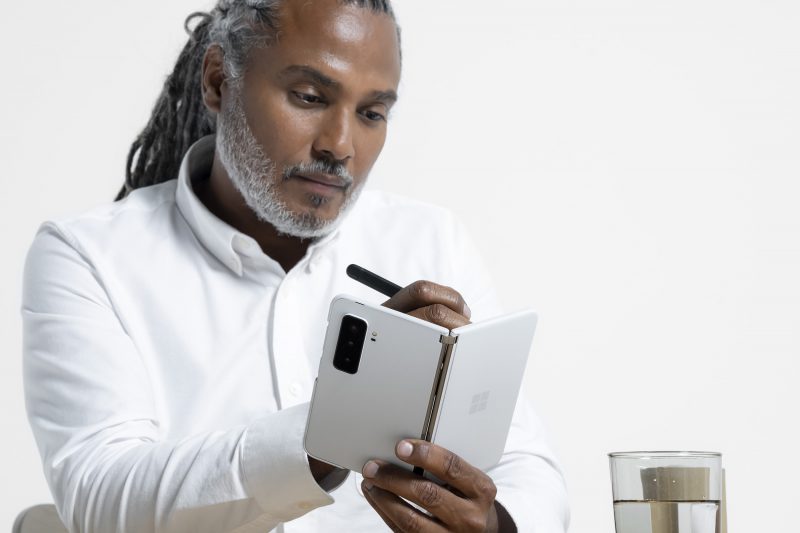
column 256, row 177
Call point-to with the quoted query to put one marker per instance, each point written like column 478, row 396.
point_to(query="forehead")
column 353, row 45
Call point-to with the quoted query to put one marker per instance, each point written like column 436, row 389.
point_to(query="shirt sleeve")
column 95, row 419
column 530, row 484
column 529, row 481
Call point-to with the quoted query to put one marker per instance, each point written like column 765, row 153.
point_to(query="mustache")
column 320, row 166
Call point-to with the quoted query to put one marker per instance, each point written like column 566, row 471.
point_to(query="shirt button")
column 305, row 506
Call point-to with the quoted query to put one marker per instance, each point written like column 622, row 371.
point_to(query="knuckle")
column 436, row 313
column 475, row 522
column 455, row 295
column 486, row 487
column 453, row 466
column 422, row 290
column 410, row 521
column 429, row 494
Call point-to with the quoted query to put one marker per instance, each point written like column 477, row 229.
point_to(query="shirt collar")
column 225, row 242
column 213, row 233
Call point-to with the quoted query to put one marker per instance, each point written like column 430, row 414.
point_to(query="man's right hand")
column 432, row 302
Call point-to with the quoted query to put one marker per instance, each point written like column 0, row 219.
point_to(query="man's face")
column 300, row 133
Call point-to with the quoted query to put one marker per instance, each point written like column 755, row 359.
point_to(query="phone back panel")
column 482, row 385
column 357, row 417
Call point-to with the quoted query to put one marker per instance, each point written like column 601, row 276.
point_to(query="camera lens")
column 352, row 333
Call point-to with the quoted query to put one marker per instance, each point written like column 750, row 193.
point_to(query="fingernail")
column 404, row 449
column 367, row 485
column 370, row 469
column 467, row 311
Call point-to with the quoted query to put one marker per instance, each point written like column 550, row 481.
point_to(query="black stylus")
column 373, row 281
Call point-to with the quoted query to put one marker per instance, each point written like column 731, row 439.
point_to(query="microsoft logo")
column 479, row 402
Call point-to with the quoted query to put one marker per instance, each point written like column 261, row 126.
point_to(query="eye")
column 307, row 98
column 373, row 116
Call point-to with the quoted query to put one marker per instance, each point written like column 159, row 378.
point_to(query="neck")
column 221, row 198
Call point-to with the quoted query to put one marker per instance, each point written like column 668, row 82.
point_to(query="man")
column 171, row 337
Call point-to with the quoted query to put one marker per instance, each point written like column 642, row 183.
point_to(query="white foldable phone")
column 385, row 376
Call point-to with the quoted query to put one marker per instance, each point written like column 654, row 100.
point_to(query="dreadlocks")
column 180, row 117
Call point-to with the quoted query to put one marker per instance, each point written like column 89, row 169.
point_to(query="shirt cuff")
column 275, row 466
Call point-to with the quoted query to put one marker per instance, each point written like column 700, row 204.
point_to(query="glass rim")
column 664, row 454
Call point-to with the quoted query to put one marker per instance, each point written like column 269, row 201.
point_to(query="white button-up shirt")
column 169, row 363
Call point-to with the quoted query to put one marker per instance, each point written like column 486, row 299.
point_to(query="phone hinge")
column 448, row 344
column 448, row 339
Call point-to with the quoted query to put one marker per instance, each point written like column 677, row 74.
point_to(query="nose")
column 335, row 137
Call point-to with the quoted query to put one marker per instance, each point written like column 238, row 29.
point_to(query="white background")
column 629, row 167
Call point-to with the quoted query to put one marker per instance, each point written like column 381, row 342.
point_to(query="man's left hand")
column 465, row 503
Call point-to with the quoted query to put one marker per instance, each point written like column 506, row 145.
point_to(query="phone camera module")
column 350, row 343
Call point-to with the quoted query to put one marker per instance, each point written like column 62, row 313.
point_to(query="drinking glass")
column 666, row 492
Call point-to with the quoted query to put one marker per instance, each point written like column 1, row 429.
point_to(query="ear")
column 213, row 78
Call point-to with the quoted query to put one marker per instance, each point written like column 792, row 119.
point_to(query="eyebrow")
column 312, row 73
column 388, row 97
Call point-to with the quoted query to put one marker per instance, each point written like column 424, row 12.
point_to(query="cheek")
column 368, row 150
column 284, row 133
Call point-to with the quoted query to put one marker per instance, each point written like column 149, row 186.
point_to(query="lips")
column 328, row 180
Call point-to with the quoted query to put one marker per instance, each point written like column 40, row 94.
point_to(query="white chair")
column 39, row 519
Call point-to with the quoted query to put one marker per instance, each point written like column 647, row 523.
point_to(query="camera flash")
column 374, row 333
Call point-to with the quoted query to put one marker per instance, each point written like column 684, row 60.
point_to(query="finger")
column 424, row 293
column 437, row 500
column 399, row 515
column 378, row 510
column 440, row 315
column 447, row 466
